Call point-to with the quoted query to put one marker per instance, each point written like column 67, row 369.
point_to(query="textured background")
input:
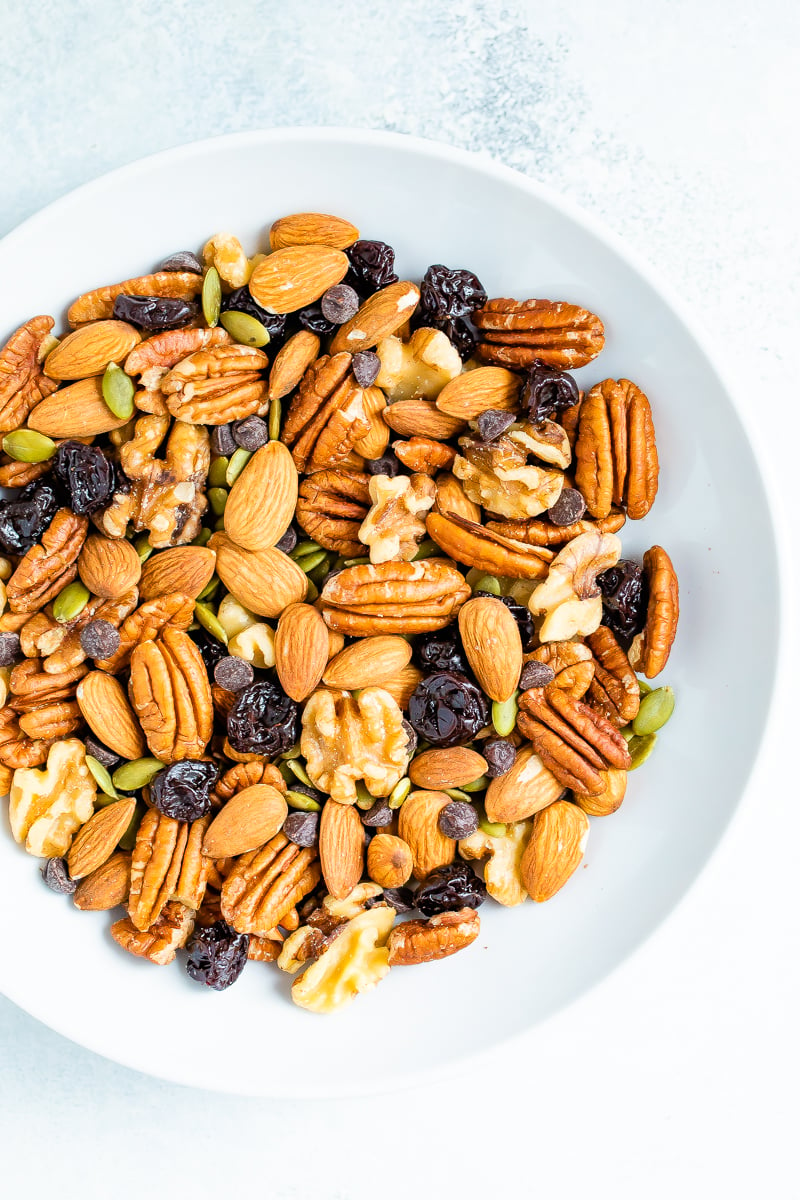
column 675, row 122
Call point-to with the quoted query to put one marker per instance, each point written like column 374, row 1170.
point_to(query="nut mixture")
column 313, row 609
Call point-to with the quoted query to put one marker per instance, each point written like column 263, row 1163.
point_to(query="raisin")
column 10, row 649
column 288, row 541
column 56, row 876
column 240, row 300
column 263, row 720
column 380, row 814
column 251, row 433
column 233, row 673
column 339, row 303
column 183, row 790
column 493, row 423
column 217, row 955
column 24, row 518
column 450, row 888
column 401, row 899
column 210, row 649
column 520, row 614
column 182, row 260
column 87, row 474
column 568, row 508
column 447, row 709
column 548, row 392
column 99, row 639
column 500, row 755
column 457, row 820
column 301, row 828
column 535, row 674
column 314, row 320
column 441, row 651
column 387, row 464
column 107, row 758
column 366, row 367
column 223, row 443
column 371, row 266
column 625, row 595
column 155, row 313
column 447, row 299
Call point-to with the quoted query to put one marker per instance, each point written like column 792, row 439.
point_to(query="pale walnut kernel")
column 347, row 738
column 48, row 806
column 418, row 368
column 569, row 598
column 502, row 874
column 498, row 476
column 395, row 525
column 225, row 252
column 354, row 962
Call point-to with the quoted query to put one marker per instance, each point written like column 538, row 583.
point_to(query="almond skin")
column 524, row 789
column 367, row 662
column 265, row 581
column 379, row 317
column 608, row 801
column 247, row 821
column 421, row 418
column 88, row 350
column 185, row 569
column 301, row 650
column 109, row 567
column 402, row 685
column 341, row 847
column 472, row 393
column 76, row 411
column 418, row 826
column 438, row 769
column 312, row 229
column 105, row 708
column 389, row 860
column 555, row 849
column 291, row 363
column 295, row 276
column 492, row 644
column 95, row 842
column 107, row 886
column 451, row 498
column 262, row 501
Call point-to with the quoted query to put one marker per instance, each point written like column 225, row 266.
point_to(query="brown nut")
column 426, row 941
column 326, row 417
column 22, row 382
column 608, row 801
column 419, row 828
column 331, row 507
column 108, row 567
column 516, row 333
column 389, row 861
column 616, row 461
column 555, row 849
column 162, row 940
column 651, row 648
column 393, row 597
column 573, row 741
column 614, row 690
column 48, row 566
column 171, row 696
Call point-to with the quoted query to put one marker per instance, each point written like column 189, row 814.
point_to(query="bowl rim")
column 778, row 532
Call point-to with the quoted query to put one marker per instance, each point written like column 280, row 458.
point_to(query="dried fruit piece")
column 217, row 955
column 447, row 709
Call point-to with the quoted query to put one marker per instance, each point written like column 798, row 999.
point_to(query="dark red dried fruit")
column 457, row 820
column 211, row 650
column 301, row 828
column 99, row 639
column 548, row 392
column 339, row 303
column 251, row 433
column 448, row 297
column 263, row 720
column 401, row 899
column 366, row 367
column 233, row 673
column 87, row 474
column 183, row 790
column 450, row 888
column 55, row 873
column 371, row 266
column 447, row 709
column 535, row 674
column 10, row 649
column 625, row 595
column 182, row 260
column 155, row 313
column 441, row 651
column 500, row 755
column 24, row 518
column 493, row 424
column 217, row 955
column 568, row 508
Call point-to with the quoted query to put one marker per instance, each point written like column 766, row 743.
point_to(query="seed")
column 477, row 785
column 364, row 800
column 239, row 460
column 143, row 548
column 210, row 588
column 70, row 601
column 627, row 733
column 217, row 472
column 294, row 752
column 644, row 688
column 427, row 549
column 457, row 794
column 244, row 329
column 219, row 524
column 297, row 769
column 25, row 445
column 103, row 801
column 118, row 392
column 208, row 619
column 303, row 548
column 275, row 414
column 308, row 562
column 399, row 793
column 128, row 839
column 212, row 296
column 202, row 537
column 101, row 776
column 132, row 776
column 504, row 715
column 312, row 592
column 301, row 801
column 655, row 710
column 640, row 749
column 492, row 828
column 217, row 498
column 488, row 583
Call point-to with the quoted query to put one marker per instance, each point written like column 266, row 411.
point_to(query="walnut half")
column 347, row 738
column 395, row 525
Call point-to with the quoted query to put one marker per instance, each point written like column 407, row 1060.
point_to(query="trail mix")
column 313, row 609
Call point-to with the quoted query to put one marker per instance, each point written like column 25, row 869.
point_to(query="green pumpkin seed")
column 101, row 800
column 202, row 537
column 318, row 573
column 627, row 732
column 26, row 445
column 238, row 461
column 655, row 710
column 210, row 587
column 492, row 828
column 427, row 549
column 364, row 800
column 244, row 329
column 128, row 839
column 274, row 420
column 218, row 472
column 297, row 769
column 477, row 785
column 132, row 776
column 101, row 777
column 70, row 601
column 640, row 749
column 217, row 498
column 208, row 619
column 308, row 562
column 303, row 548
column 301, row 801
column 294, row 752
column 488, row 583
column 118, row 389
column 504, row 715
column 399, row 792
column 644, row 688
column 312, row 592
column 356, row 562
column 458, row 794
column 212, row 296
column 143, row 548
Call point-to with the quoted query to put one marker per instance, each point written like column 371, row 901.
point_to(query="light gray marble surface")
column 675, row 122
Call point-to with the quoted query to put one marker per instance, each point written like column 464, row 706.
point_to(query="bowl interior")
column 432, row 205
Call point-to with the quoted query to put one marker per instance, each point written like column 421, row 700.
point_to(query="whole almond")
column 608, row 801
column 418, row 826
column 291, row 363
column 296, row 276
column 389, row 861
column 109, row 567
column 555, row 849
column 524, row 789
column 246, row 822
column 341, row 847
column 438, row 769
column 312, row 229
column 335, row 643
column 402, row 685
column 96, row 841
column 107, row 886
column 185, row 569
column 88, row 350
column 105, row 708
column 421, row 418
column 301, row 650
column 368, row 661
column 262, row 501
column 265, row 581
column 78, row 410
column 472, row 393
column 378, row 317
column 451, row 498
column 492, row 644
column 373, row 444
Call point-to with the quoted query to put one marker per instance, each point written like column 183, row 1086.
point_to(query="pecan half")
column 167, row 864
column 160, row 942
column 425, row 455
column 573, row 741
column 17, row 750
column 478, row 546
column 217, row 385
column 265, row 884
column 22, row 383
column 98, row 304
column 171, row 696
column 538, row 531
column 515, row 333
column 425, row 941
column 326, row 417
column 614, row 690
column 394, row 597
column 19, row 474
column 245, row 775
column 174, row 611
column 572, row 663
column 60, row 643
column 650, row 649
column 50, row 565
column 615, row 453
column 331, row 506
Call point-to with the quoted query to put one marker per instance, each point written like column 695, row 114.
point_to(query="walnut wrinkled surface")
column 502, row 874
column 418, row 368
column 346, row 738
column 47, row 807
column 498, row 476
column 354, row 962
column 569, row 597
column 395, row 524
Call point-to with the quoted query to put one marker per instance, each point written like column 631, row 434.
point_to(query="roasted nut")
column 502, row 873
column 247, row 822
column 374, row 443
column 452, row 499
column 573, row 741
column 22, row 382
column 425, row 455
column 245, row 775
column 354, row 962
column 616, row 457
column 224, row 252
column 493, row 646
column 477, row 391
column 109, row 567
column 608, row 801
column 107, row 886
column 394, row 526
column 153, row 358
column 571, row 662
column 524, row 789
column 99, row 304
column 541, row 532
column 48, row 566
column 555, row 849
column 479, row 547
column 174, row 611
column 438, row 769
column 419, row 828
column 291, row 363
column 331, row 508
column 370, row 661
column 614, row 690
column 515, row 333
column 185, row 569
column 651, row 648
column 17, row 750
column 389, row 860
column 379, row 317
column 393, row 597
column 346, row 738
column 546, row 440
column 217, row 385
column 262, row 501
column 312, row 229
column 419, row 368
column 293, row 277
column 265, row 884
column 326, row 418
column 89, row 350
column 497, row 475
column 95, row 841
column 104, row 707
column 160, row 942
column 167, row 865
column 421, row 418
column 341, row 848
column 47, row 807
column 171, row 696
column 264, row 581
column 570, row 597
column 425, row 941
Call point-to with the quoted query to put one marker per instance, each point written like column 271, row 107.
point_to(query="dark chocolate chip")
column 569, row 507
column 183, row 260
column 379, row 814
column 339, row 303
column 536, row 674
column 107, row 758
column 251, row 433
column 412, row 738
column 500, row 755
column 222, row 441
column 99, row 639
column 56, row 876
column 457, row 820
column 493, row 423
column 233, row 673
column 288, row 541
column 10, row 650
column 301, row 828
column 387, row 464
column 366, row 367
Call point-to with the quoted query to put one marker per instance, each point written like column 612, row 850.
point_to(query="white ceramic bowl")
column 433, row 204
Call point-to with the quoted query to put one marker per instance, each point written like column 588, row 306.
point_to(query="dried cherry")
column 447, row 299
column 447, row 709
column 87, row 474
column 183, row 790
column 441, row 650
column 263, row 720
column 547, row 392
column 155, row 313
column 450, row 888
column 217, row 955
column 371, row 266
column 24, row 518
column 625, row 595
